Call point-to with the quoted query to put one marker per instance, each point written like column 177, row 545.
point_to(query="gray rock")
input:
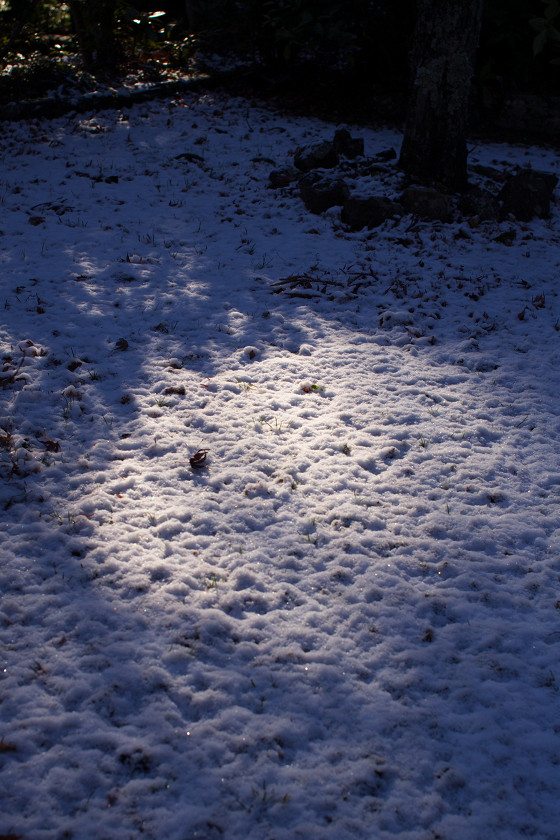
column 480, row 203
column 320, row 193
column 346, row 145
column 283, row 177
column 317, row 156
column 428, row 203
column 370, row 212
column 489, row 172
column 527, row 194
column 385, row 155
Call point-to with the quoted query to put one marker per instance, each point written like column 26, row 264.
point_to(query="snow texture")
column 346, row 623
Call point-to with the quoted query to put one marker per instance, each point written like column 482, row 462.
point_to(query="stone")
column 428, row 203
column 370, row 212
column 283, row 177
column 385, row 156
column 479, row 203
column 347, row 146
column 320, row 193
column 317, row 156
column 527, row 194
column 507, row 237
column 489, row 172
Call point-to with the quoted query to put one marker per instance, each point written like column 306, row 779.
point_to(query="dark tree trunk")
column 445, row 41
column 192, row 14
column 94, row 22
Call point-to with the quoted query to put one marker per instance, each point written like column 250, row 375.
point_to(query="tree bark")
column 192, row 14
column 445, row 41
column 94, row 22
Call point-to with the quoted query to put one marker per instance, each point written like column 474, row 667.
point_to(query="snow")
column 346, row 624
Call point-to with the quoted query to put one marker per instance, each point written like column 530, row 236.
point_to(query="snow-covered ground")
column 347, row 623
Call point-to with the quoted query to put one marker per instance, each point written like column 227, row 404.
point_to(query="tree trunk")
column 192, row 14
column 94, row 22
column 445, row 41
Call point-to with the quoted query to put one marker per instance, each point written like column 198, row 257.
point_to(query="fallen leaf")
column 198, row 459
column 50, row 445
column 6, row 747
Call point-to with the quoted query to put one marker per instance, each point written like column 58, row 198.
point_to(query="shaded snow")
column 346, row 625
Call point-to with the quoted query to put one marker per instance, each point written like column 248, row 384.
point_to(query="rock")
column 489, row 172
column 370, row 212
column 507, row 237
column 318, row 156
column 428, row 203
column 283, row 177
column 320, row 193
column 480, row 203
column 347, row 146
column 386, row 155
column 527, row 194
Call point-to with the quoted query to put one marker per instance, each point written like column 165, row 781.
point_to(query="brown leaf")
column 50, row 445
column 198, row 459
column 6, row 747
